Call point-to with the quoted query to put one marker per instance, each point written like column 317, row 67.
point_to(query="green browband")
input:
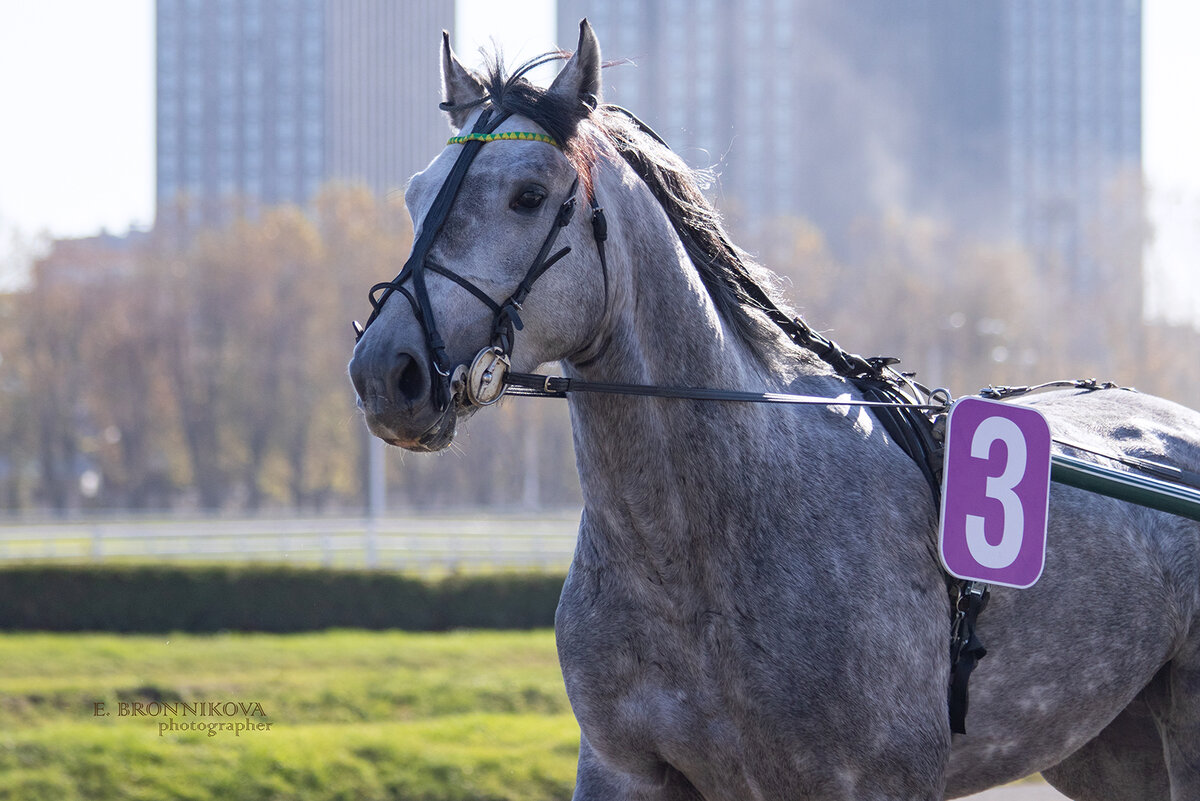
column 492, row 137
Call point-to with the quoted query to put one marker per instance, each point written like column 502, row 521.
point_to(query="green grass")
column 353, row 715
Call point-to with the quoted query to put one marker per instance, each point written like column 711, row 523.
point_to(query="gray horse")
column 756, row 608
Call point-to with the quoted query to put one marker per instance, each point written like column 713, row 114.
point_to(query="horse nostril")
column 408, row 378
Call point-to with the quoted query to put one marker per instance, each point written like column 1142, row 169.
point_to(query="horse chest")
column 653, row 686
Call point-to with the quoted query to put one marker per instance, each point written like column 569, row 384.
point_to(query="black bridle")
column 903, row 406
column 481, row 383
column 487, row 377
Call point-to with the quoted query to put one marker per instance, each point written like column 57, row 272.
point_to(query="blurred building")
column 1073, row 115
column 99, row 260
column 262, row 101
column 1008, row 118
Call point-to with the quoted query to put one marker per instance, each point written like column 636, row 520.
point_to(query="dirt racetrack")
column 1039, row 791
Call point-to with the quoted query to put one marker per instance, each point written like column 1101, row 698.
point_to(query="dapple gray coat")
column 756, row 609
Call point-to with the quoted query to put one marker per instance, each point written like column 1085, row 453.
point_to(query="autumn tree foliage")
column 966, row 314
column 210, row 373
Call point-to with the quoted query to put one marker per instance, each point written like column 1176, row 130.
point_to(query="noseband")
column 481, row 383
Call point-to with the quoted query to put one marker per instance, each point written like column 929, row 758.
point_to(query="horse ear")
column 580, row 78
column 459, row 86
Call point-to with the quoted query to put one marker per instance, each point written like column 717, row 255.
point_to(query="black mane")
column 723, row 267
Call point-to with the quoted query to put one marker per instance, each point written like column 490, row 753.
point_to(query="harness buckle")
column 971, row 593
column 485, row 378
column 458, row 381
column 567, row 210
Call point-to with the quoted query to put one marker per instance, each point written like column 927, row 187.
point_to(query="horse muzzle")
column 396, row 394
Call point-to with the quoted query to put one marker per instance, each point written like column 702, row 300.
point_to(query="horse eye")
column 529, row 198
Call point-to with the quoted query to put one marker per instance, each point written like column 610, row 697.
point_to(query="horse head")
column 502, row 270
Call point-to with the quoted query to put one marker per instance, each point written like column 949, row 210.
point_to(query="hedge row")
column 162, row 598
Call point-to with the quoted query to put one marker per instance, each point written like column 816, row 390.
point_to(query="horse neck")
column 657, row 474
column 663, row 326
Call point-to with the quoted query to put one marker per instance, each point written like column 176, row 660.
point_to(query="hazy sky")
column 1171, row 156
column 77, row 99
column 522, row 34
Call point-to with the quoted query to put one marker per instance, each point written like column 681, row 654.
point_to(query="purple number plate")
column 995, row 493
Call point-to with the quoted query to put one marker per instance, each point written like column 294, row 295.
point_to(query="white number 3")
column 999, row 488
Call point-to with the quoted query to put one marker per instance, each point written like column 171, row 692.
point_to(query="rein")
column 536, row 385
